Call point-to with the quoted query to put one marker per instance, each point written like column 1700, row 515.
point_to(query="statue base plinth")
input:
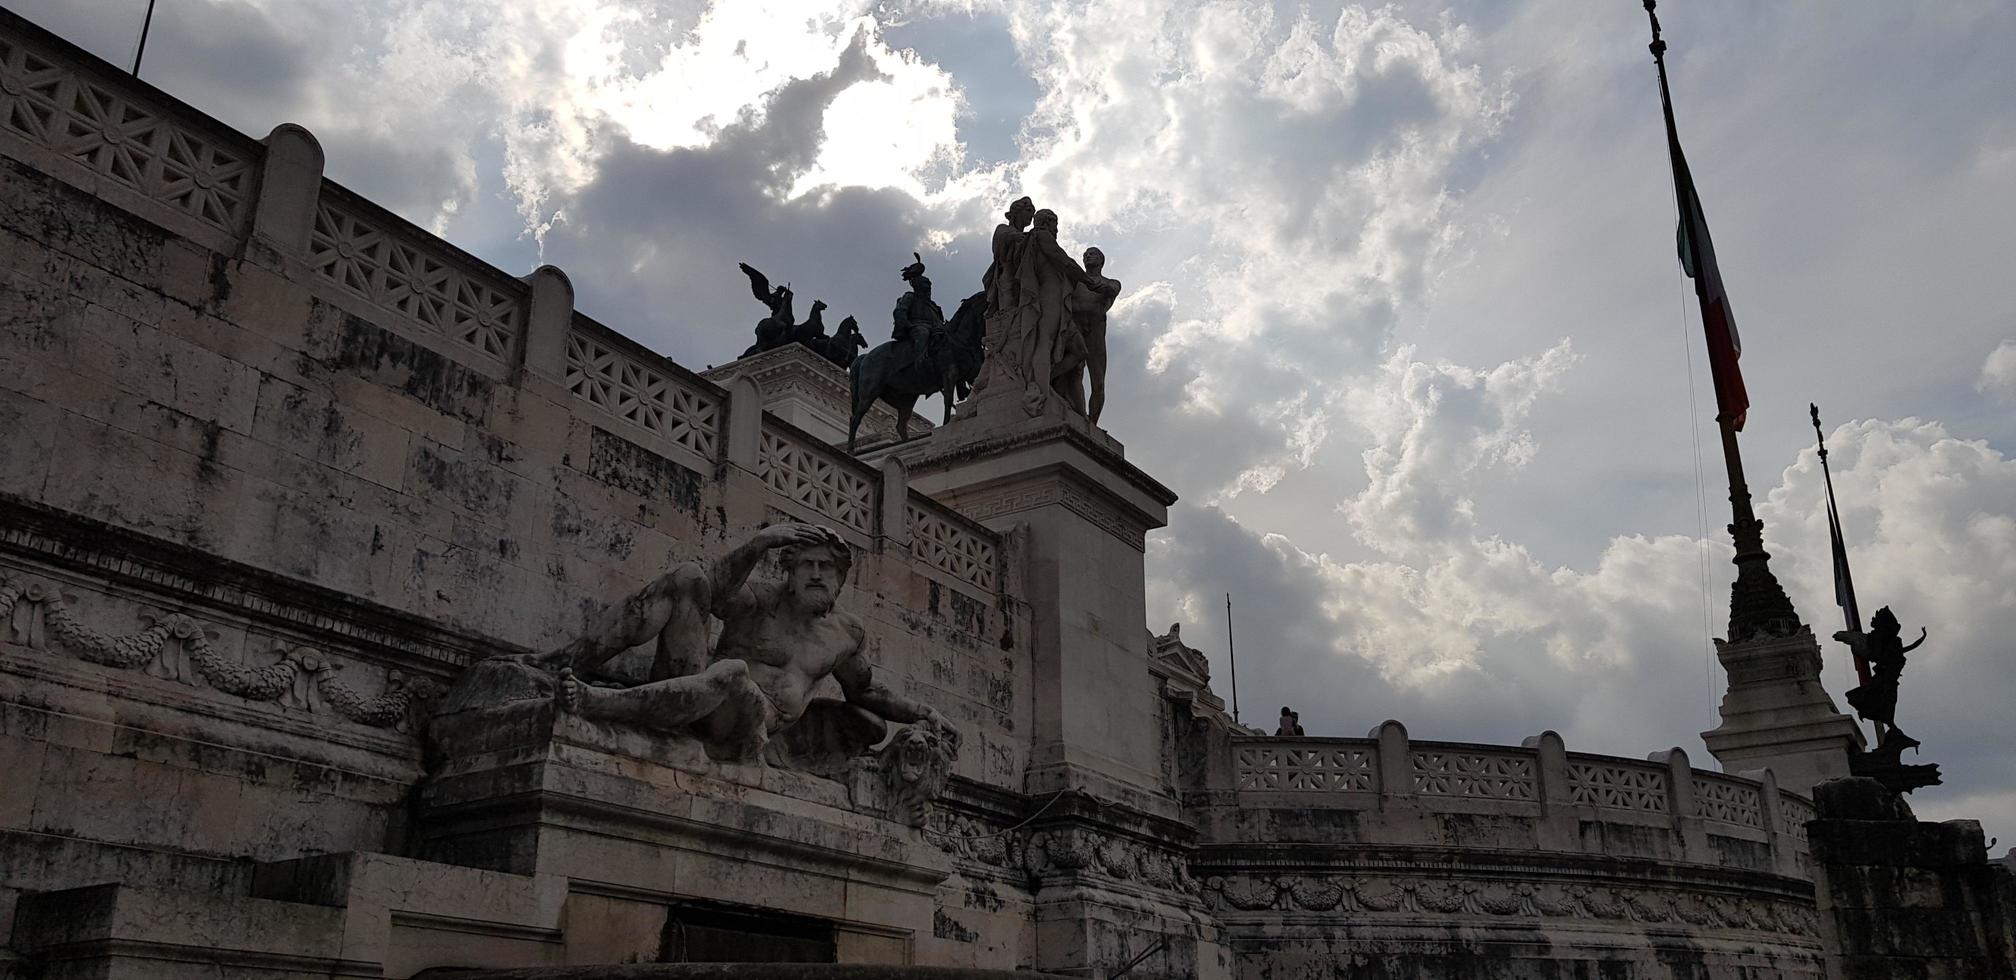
column 1777, row 716
column 527, row 788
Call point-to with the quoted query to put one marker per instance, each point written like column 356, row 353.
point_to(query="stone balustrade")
column 266, row 201
column 1563, row 800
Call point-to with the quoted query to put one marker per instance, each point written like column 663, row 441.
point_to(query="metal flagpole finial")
column 1815, row 410
column 1658, row 46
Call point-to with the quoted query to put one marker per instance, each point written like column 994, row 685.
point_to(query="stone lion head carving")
column 916, row 764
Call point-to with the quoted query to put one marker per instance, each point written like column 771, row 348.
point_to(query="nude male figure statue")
column 778, row 641
column 1089, row 303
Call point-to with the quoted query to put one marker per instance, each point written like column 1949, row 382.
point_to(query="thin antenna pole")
column 145, row 26
column 1232, row 652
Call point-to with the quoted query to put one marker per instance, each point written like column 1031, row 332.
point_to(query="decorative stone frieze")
column 1084, row 851
column 177, row 648
column 1390, row 896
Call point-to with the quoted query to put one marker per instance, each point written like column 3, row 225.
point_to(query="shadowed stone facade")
column 277, row 468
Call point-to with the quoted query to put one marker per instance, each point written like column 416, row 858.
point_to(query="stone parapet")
column 1390, row 789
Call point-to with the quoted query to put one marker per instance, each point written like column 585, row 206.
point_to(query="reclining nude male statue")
column 778, row 641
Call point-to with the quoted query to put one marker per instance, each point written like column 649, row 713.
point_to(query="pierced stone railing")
column 1617, row 784
column 946, row 540
column 431, row 287
column 73, row 116
column 818, row 477
column 1560, row 795
column 1475, row 774
column 1725, row 799
column 645, row 391
column 1306, row 766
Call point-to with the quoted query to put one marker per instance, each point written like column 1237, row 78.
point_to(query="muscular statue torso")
column 788, row 654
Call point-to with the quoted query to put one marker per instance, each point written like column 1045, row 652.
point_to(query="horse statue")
column 892, row 374
column 845, row 344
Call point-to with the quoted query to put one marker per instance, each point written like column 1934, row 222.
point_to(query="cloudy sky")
column 1402, row 319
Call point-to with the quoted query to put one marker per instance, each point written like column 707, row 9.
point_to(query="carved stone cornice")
column 1057, row 485
column 177, row 573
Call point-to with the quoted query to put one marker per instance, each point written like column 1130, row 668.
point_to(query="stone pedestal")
column 528, row 789
column 1087, row 511
column 811, row 393
column 1904, row 898
column 1109, row 853
column 1776, row 715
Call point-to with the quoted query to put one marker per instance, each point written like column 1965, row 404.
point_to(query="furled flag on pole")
column 1697, row 257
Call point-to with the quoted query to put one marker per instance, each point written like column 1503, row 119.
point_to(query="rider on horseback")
column 919, row 321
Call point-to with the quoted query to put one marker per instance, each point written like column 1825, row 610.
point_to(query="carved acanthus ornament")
column 177, row 648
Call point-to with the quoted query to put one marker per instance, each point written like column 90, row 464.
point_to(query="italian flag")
column 1697, row 256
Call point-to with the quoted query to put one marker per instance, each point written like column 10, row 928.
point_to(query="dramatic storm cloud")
column 1403, row 321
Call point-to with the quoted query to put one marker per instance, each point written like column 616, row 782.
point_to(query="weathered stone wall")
column 1907, row 899
column 276, row 465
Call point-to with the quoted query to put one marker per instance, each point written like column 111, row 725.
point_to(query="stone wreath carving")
column 1543, row 900
column 965, row 836
column 177, row 648
column 1084, row 852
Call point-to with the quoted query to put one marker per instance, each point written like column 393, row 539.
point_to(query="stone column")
column 743, row 494
column 1396, row 764
column 290, row 185
column 550, row 316
column 1558, row 830
column 1769, row 809
column 894, row 526
column 1680, row 805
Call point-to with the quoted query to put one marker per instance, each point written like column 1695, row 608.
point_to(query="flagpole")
column 1844, row 582
column 145, row 25
column 1232, row 653
column 1757, row 603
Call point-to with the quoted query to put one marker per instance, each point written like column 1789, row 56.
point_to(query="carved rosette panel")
column 1474, row 775
column 952, row 548
column 1728, row 802
column 1617, row 787
column 815, row 479
column 1382, row 896
column 649, row 399
column 407, row 276
column 36, row 615
column 96, row 126
column 1309, row 769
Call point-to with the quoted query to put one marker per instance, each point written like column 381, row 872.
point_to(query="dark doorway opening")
column 707, row 932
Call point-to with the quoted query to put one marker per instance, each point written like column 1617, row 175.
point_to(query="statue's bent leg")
column 637, row 619
column 728, row 708
column 682, row 643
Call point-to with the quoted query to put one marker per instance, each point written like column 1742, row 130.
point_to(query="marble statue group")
column 1035, row 332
